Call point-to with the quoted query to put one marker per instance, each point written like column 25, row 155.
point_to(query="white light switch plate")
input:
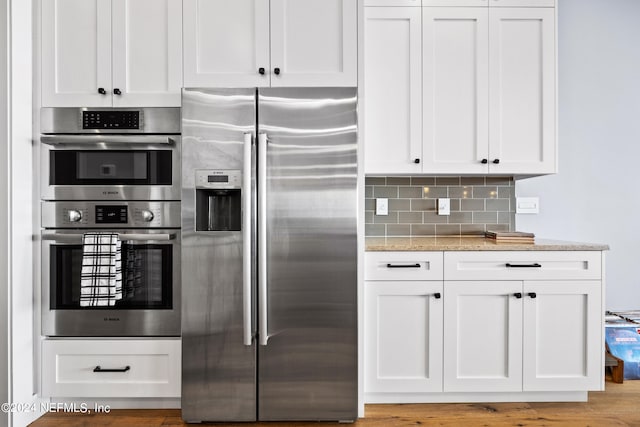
column 527, row 205
column 444, row 206
column 382, row 206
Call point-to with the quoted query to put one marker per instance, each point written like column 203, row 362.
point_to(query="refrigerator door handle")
column 246, row 241
column 262, row 238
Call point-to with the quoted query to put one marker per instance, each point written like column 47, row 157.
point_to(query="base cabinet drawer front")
column 403, row 337
column 111, row 368
column 523, row 265
column 403, row 266
column 562, row 338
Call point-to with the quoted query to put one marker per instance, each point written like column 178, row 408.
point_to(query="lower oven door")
column 150, row 304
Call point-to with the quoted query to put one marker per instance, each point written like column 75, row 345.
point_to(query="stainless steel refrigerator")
column 269, row 212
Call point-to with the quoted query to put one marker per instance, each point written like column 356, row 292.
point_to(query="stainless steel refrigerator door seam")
column 262, row 238
column 246, row 240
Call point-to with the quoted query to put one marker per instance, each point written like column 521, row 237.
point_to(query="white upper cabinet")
column 76, row 53
column 314, row 42
column 522, row 91
column 488, row 90
column 102, row 53
column 455, row 74
column 147, row 52
column 277, row 43
column 393, row 90
column 226, row 43
column 491, row 3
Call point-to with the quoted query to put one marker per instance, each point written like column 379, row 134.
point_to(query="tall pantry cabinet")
column 487, row 88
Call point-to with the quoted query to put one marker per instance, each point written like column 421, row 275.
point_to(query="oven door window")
column 146, row 277
column 110, row 167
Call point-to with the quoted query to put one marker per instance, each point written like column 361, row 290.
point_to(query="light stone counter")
column 465, row 243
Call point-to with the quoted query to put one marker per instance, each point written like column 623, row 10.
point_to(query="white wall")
column 593, row 198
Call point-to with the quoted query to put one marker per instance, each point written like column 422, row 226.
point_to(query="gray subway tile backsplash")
column 478, row 204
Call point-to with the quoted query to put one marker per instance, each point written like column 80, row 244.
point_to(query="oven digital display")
column 111, row 120
column 218, row 178
column 110, row 214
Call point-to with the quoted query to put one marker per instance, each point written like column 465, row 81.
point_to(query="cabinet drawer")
column 70, row 368
column 403, row 266
column 529, row 265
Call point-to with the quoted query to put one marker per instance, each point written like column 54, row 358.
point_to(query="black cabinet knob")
column 517, row 295
column 437, row 295
column 496, row 161
column 533, row 294
column 416, row 161
column 276, row 71
column 116, row 91
column 484, row 161
column 261, row 70
column 101, row 91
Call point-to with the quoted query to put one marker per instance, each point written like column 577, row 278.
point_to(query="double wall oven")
column 113, row 171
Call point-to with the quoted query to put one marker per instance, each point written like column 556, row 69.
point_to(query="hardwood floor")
column 619, row 405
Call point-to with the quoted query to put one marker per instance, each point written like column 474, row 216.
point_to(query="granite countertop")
column 476, row 243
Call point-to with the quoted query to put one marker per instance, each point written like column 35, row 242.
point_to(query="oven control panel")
column 111, row 120
column 110, row 214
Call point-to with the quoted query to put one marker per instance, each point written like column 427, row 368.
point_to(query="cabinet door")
column 522, row 90
column 226, row 43
column 562, row 336
column 76, row 53
column 456, row 100
column 314, row 42
column 403, row 337
column 482, row 336
column 147, row 53
column 393, row 90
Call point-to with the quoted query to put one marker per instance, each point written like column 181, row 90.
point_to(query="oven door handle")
column 126, row 237
column 106, row 139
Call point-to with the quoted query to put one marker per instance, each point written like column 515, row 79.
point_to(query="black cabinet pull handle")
column 496, row 161
column 101, row 91
column 99, row 369
column 517, row 295
column 416, row 265
column 416, row 161
column 276, row 71
column 532, row 294
column 484, row 161
column 261, row 70
column 437, row 295
column 116, row 91
column 534, row 265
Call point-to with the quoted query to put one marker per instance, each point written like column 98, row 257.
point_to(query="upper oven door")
column 110, row 167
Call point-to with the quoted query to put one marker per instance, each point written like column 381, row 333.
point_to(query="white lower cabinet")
column 513, row 333
column 403, row 350
column 111, row 368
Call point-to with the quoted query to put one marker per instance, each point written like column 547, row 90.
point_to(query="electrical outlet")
column 382, row 206
column 444, row 206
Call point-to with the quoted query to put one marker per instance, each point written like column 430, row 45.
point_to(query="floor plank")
column 618, row 405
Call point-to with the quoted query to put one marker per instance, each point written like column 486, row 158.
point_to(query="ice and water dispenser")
column 218, row 200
